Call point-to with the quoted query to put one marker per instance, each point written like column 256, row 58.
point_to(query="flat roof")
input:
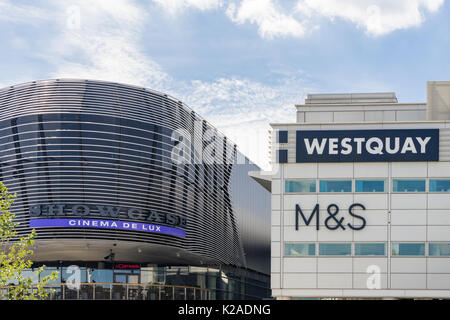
column 351, row 98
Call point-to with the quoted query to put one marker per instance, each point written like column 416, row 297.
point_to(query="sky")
column 240, row 64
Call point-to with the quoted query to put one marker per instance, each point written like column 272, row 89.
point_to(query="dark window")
column 282, row 156
column 282, row 137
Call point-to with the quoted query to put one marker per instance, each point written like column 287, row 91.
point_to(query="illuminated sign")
column 126, row 266
column 367, row 145
column 106, row 224
column 89, row 210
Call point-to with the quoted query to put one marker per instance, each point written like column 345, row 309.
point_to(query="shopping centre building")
column 360, row 189
column 132, row 194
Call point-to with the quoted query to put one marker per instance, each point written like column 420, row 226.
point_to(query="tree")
column 15, row 256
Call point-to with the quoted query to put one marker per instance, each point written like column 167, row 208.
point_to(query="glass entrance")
column 125, row 278
column 131, row 290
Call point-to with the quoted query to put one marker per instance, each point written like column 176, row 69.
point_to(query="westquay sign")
column 367, row 145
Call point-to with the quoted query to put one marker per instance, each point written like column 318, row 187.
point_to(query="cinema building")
column 132, row 194
column 360, row 189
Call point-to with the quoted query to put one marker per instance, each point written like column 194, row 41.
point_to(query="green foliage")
column 15, row 256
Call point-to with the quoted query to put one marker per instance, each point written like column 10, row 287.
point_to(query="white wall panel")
column 300, row 264
column 343, row 201
column 411, row 115
column 360, row 265
column 438, row 265
column 335, row 170
column 275, row 265
column 303, row 234
column 373, row 217
column 409, row 169
column 439, row 217
column 439, row 169
column 275, row 280
column 438, row 233
column 371, row 233
column 408, row 233
column 338, row 235
column 275, row 218
column 439, row 201
column 275, row 249
column 408, row 265
column 275, row 234
column 276, row 187
column 371, row 170
column 408, row 281
column 306, row 202
column 360, row 281
column 318, row 117
column 409, row 201
column 300, row 171
column 372, row 201
column 409, row 217
column 334, row 280
column 438, row 281
column 344, row 116
column 275, row 202
column 299, row 280
column 334, row 264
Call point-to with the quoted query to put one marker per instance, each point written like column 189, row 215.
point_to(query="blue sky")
column 241, row 64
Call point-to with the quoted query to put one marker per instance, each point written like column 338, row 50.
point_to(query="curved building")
column 131, row 186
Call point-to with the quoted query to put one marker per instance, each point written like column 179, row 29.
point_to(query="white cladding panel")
column 415, row 217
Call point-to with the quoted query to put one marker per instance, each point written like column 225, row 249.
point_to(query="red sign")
column 126, row 266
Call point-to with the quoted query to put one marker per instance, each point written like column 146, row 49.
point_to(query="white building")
column 386, row 167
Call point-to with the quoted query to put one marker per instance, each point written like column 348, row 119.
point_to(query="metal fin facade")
column 68, row 141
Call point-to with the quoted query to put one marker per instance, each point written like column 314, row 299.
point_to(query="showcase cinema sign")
column 367, row 145
column 87, row 216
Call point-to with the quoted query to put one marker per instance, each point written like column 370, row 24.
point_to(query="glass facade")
column 408, row 249
column 299, row 249
column 439, row 185
column 439, row 249
column 220, row 283
column 292, row 186
column 408, row 185
column 370, row 185
column 335, row 249
column 370, row 249
column 335, row 185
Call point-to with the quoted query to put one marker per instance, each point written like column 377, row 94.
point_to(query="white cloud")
column 270, row 20
column 17, row 13
column 101, row 40
column 377, row 17
column 242, row 109
column 175, row 6
column 105, row 44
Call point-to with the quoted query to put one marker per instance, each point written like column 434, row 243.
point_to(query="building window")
column 408, row 249
column 300, row 186
column 335, row 185
column 299, row 249
column 370, row 185
column 439, row 249
column 282, row 137
column 335, row 249
column 282, row 156
column 439, row 185
column 409, row 185
column 370, row 249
